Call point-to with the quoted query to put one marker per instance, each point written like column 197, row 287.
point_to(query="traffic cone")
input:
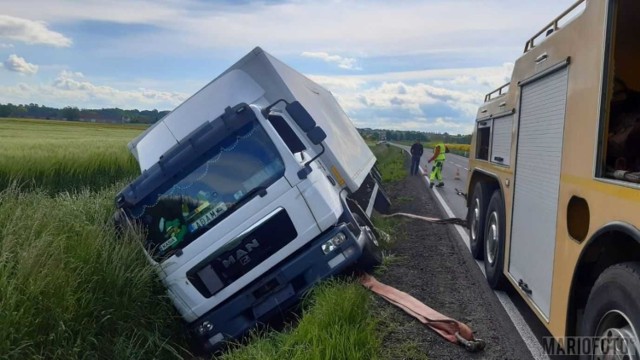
column 457, row 177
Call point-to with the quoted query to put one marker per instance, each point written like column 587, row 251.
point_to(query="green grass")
column 60, row 155
column 70, row 290
column 390, row 163
column 336, row 324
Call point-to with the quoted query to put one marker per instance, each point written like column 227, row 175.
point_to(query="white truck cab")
column 252, row 191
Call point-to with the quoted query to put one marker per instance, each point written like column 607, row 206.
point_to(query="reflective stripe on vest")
column 441, row 156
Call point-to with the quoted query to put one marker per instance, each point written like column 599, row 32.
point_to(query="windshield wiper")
column 260, row 190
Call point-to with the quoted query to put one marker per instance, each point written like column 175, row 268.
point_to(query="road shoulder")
column 431, row 264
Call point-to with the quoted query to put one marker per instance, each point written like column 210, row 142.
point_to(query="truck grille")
column 241, row 254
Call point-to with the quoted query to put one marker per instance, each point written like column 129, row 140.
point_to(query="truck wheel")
column 476, row 219
column 494, row 236
column 371, row 253
column 613, row 312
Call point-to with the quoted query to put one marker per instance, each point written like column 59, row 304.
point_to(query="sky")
column 404, row 64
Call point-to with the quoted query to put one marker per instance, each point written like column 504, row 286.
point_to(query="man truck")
column 253, row 190
column 554, row 175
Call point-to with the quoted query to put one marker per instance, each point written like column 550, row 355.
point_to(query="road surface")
column 454, row 174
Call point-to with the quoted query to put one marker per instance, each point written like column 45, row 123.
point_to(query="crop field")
column 70, row 288
column 58, row 155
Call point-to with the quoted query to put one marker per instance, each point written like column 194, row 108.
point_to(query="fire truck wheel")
column 613, row 312
column 371, row 253
column 494, row 236
column 476, row 219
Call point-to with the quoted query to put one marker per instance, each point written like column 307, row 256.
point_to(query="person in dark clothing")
column 416, row 154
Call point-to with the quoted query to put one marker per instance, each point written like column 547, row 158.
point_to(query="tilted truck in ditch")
column 252, row 190
column 554, row 185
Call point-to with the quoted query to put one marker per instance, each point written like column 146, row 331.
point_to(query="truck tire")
column 371, row 252
column 613, row 309
column 494, row 236
column 476, row 219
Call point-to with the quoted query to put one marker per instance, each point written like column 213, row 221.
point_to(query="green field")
column 71, row 289
column 60, row 155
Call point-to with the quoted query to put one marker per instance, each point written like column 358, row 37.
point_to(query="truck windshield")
column 212, row 187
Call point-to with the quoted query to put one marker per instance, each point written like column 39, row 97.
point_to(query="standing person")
column 416, row 154
column 436, row 172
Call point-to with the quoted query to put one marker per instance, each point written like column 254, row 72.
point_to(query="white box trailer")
column 260, row 79
column 252, row 191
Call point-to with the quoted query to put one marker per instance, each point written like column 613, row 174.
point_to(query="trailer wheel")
column 494, row 241
column 476, row 219
column 612, row 313
column 371, row 253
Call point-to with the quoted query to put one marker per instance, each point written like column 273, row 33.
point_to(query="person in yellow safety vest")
column 439, row 156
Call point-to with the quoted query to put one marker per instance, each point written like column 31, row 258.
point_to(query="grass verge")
column 390, row 163
column 336, row 324
column 70, row 290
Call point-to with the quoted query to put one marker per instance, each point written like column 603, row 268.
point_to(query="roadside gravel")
column 431, row 264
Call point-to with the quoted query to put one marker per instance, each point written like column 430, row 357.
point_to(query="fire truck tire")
column 613, row 311
column 476, row 219
column 371, row 252
column 494, row 236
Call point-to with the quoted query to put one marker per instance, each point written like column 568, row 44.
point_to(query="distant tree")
column 6, row 110
column 71, row 113
column 18, row 111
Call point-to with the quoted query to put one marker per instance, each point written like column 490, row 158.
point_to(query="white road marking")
column 518, row 321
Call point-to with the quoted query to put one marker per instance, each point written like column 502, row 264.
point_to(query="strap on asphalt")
column 450, row 329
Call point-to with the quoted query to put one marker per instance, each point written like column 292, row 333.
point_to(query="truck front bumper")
column 279, row 289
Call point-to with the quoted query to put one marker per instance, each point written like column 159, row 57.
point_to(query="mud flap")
column 382, row 204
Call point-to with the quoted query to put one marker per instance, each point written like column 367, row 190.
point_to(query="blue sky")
column 411, row 65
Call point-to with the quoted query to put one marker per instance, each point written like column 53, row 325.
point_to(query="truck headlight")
column 204, row 328
column 333, row 243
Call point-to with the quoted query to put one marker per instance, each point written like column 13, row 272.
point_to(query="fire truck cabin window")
column 483, row 140
column 621, row 131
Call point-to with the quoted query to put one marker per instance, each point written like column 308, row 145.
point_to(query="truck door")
column 537, row 183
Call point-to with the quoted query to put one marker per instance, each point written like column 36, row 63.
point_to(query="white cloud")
column 334, row 26
column 30, row 32
column 342, row 62
column 73, row 88
column 6, row 46
column 443, row 100
column 20, row 65
column 76, row 86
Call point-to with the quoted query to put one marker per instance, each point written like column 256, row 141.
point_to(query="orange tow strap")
column 450, row 329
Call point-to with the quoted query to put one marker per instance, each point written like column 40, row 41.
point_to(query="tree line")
column 425, row 137
column 71, row 113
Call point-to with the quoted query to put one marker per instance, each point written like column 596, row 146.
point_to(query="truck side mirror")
column 316, row 135
column 300, row 115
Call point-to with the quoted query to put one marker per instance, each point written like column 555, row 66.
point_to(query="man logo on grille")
column 241, row 254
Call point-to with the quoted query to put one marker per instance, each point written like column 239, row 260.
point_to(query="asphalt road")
column 455, row 171
column 454, row 175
